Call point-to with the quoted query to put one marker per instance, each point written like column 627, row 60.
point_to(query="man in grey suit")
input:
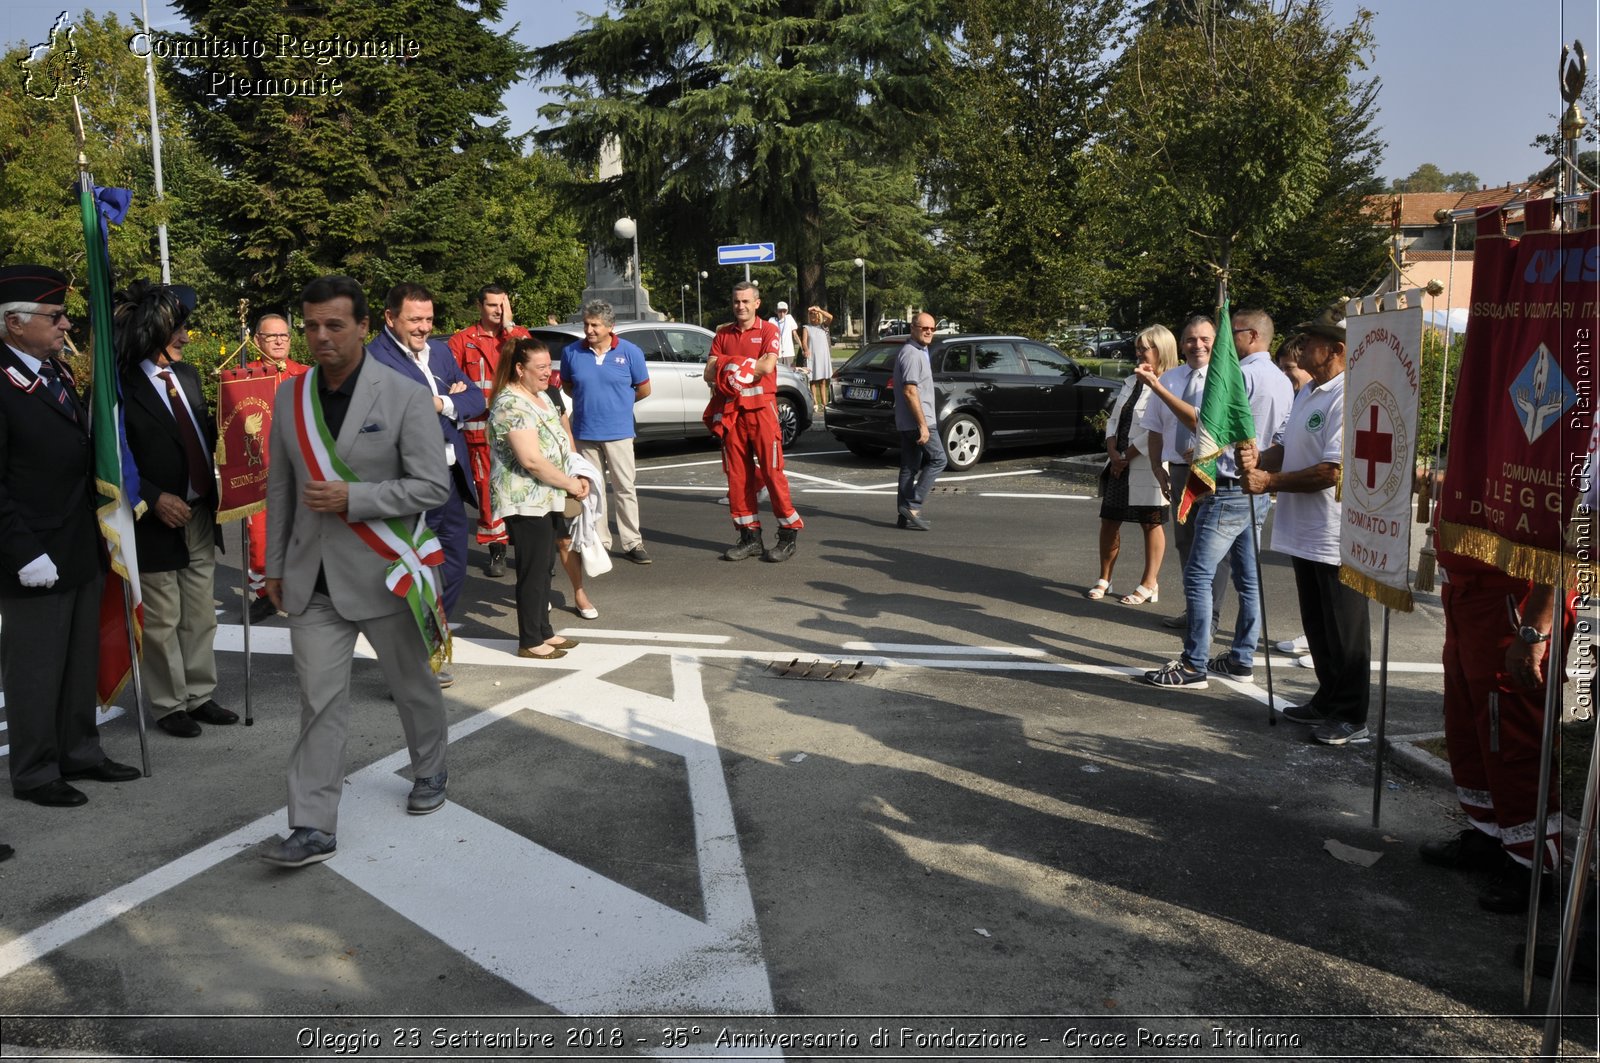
column 344, row 508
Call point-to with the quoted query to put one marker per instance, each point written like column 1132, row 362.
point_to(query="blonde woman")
column 528, row 483
column 1130, row 490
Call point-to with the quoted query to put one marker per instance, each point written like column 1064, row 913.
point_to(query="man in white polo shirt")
column 1303, row 467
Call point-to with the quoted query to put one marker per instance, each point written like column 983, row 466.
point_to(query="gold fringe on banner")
column 1385, row 595
column 241, row 511
column 1515, row 559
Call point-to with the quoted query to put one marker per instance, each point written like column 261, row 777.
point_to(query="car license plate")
column 861, row 394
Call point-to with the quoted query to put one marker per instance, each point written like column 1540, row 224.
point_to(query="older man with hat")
column 50, row 559
column 1302, row 467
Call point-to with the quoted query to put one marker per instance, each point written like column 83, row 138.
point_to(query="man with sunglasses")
column 50, row 567
column 1226, row 522
column 922, row 456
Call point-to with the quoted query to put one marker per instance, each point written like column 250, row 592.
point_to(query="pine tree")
column 728, row 113
column 367, row 165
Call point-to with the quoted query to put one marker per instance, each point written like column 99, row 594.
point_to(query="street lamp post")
column 626, row 229
column 862, row 263
column 699, row 313
column 683, row 303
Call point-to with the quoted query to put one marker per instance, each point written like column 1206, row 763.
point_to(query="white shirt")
column 1307, row 522
column 787, row 327
column 421, row 359
column 1158, row 416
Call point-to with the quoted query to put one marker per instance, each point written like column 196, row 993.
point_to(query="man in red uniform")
column 742, row 372
column 477, row 351
column 271, row 339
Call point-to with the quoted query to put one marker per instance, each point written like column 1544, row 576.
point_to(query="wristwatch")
column 1532, row 635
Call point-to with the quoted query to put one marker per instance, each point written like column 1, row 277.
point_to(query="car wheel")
column 863, row 450
column 788, row 420
column 963, row 442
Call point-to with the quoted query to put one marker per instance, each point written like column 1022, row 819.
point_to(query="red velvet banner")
column 244, row 422
column 1524, row 398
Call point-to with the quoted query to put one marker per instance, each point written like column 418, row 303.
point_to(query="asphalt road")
column 981, row 837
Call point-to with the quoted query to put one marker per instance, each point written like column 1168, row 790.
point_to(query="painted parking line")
column 595, row 948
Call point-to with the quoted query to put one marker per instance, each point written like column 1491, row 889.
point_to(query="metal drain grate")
column 838, row 671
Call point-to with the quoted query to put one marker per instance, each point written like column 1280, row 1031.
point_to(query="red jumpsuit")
column 257, row 562
column 1493, row 726
column 477, row 352
column 743, row 414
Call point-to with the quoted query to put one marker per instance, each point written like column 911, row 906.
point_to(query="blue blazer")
column 470, row 404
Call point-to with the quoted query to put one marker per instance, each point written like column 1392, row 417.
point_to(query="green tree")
column 379, row 175
column 39, row 219
column 727, row 113
column 1429, row 178
column 1007, row 170
column 1234, row 137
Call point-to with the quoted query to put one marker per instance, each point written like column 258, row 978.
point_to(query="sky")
column 1467, row 84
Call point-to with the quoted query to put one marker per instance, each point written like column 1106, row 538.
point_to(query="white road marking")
column 681, row 465
column 594, row 947
column 938, row 647
column 1010, row 494
column 795, row 474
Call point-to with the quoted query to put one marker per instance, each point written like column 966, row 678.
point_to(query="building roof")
column 1417, row 209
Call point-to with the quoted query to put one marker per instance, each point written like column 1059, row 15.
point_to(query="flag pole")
column 86, row 186
column 244, row 576
column 1383, row 716
column 1566, row 946
column 1261, row 596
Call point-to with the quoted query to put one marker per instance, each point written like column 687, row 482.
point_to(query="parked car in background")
column 675, row 355
column 989, row 391
column 893, row 326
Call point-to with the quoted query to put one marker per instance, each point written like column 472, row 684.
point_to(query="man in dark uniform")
column 50, row 558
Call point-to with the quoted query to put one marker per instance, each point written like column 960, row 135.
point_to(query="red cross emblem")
column 1373, row 446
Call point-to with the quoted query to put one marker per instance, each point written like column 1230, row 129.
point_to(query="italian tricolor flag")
column 1225, row 417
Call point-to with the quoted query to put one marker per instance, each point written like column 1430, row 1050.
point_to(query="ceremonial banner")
column 1525, row 398
column 1383, row 365
column 1225, row 417
column 116, row 479
column 244, row 422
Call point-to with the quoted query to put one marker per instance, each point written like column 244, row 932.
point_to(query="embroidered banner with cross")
column 1525, row 398
column 1383, row 367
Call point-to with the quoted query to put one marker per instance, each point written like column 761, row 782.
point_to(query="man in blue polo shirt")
column 605, row 375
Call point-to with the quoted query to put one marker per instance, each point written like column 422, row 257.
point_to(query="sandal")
column 1141, row 595
column 1101, row 588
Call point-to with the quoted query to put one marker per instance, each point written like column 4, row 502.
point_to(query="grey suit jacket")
column 390, row 439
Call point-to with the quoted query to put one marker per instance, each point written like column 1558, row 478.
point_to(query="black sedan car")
column 990, row 391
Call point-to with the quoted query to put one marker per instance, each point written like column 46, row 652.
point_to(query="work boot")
column 749, row 545
column 784, row 550
column 497, row 560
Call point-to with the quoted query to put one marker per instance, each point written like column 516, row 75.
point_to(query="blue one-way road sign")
column 737, row 254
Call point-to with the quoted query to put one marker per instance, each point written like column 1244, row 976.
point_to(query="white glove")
column 40, row 572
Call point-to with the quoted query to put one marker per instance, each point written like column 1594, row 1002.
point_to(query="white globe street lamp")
column 627, row 229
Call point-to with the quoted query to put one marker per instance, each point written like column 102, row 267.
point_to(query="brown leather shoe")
column 533, row 655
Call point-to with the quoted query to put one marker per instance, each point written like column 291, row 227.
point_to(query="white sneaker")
column 1304, row 661
column 1297, row 646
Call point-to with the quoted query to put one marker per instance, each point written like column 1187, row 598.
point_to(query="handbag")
column 596, row 562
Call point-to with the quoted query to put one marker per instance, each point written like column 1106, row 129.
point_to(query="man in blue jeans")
column 921, row 454
column 1226, row 522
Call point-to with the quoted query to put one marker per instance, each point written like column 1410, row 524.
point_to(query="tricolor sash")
column 411, row 552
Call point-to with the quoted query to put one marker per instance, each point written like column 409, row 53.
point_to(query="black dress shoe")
column 210, row 712
column 56, row 793
column 178, row 725
column 262, row 609
column 107, row 770
column 6, row 852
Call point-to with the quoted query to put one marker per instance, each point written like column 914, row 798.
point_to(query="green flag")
column 1225, row 417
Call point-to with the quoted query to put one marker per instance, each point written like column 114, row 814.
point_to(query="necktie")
column 194, row 451
column 58, row 391
column 1192, row 394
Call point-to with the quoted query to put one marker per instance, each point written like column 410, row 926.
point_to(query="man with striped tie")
column 172, row 437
